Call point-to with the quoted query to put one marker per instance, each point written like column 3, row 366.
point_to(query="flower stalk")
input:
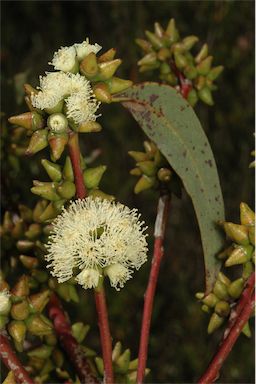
column 74, row 153
column 241, row 315
column 11, row 361
column 160, row 226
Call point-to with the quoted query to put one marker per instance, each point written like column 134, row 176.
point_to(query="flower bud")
column 210, row 300
column 40, row 275
column 202, row 54
column 7, row 222
column 66, row 189
column 5, row 302
column 28, row 261
column 138, row 156
column 24, row 245
column 204, row 66
column 57, row 123
column 205, row 308
column 34, row 230
column 154, row 40
column 17, row 330
column 56, row 109
column 90, row 126
column 164, row 174
column 47, row 368
column 68, row 170
column 116, row 351
column 172, row 31
column 135, row 172
column 25, row 213
column 192, row 98
column 144, row 45
column 29, row 89
column 180, row 60
column 223, row 279
column 99, row 193
column 215, row 72
column 190, row 72
column 58, row 358
column 144, row 183
column 101, row 92
column 92, row 176
column 28, row 120
column 246, row 330
column 133, row 365
column 214, row 323
column 39, row 300
column 206, row 96
column 46, row 190
column 237, row 233
column 159, row 32
column 57, row 142
column 226, row 253
column 151, row 67
column 108, row 69
column 99, row 365
column 189, row 42
column 115, row 84
column 36, row 363
column 122, row 363
column 50, row 212
column 164, row 69
column 37, row 142
column 39, row 208
column 89, row 66
column 149, row 59
column 79, row 331
column 251, row 233
column 3, row 321
column 163, row 54
column 53, row 170
column 10, row 378
column 43, row 352
column 240, row 255
column 20, row 311
column 236, row 288
column 38, row 325
column 147, row 167
column 21, row 288
column 222, row 308
column 247, row 270
column 107, row 56
column 18, row 229
column 220, row 290
column 51, row 339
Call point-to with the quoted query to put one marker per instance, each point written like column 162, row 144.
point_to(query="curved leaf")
column 172, row 124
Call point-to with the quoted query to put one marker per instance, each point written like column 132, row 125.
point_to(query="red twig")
column 69, row 343
column 212, row 372
column 12, row 362
column 161, row 219
column 74, row 153
column 105, row 335
column 185, row 84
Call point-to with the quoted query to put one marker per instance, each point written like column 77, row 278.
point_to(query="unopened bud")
column 133, row 365
column 149, row 59
column 138, row 156
column 204, row 66
column 236, row 288
column 159, row 32
column 50, row 212
column 189, row 42
column 107, row 56
column 21, row 288
column 102, row 195
column 53, row 170
column 28, row 261
column 24, row 245
column 43, row 352
column 28, row 120
column 38, row 325
column 180, row 60
column 39, row 208
column 79, row 331
column 17, row 330
column 51, row 339
column 7, row 222
column 39, row 300
column 164, row 174
column 226, row 253
column 5, row 302
column 205, row 95
column 247, row 270
column 10, row 378
column 20, row 311
column 251, row 233
column 222, row 308
column 57, row 142
column 99, row 365
column 115, row 84
column 246, row 330
column 172, row 31
column 68, row 170
column 58, row 358
column 89, row 66
column 144, row 183
column 66, row 189
column 240, row 255
column 237, row 233
column 18, row 229
column 57, row 123
column 40, row 275
column 25, row 213
column 192, row 97
column 135, row 172
column 223, row 279
column 147, row 167
column 215, row 322
column 144, row 44
column 215, row 72
column 102, row 93
column 122, row 363
column 163, row 54
column 90, row 126
column 220, row 290
column 45, row 190
column 92, row 176
column 210, row 300
column 190, row 72
column 37, row 142
column 154, row 40
column 202, row 54
column 116, row 351
column 34, row 230
column 108, row 69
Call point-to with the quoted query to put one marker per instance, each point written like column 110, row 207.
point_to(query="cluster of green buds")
column 62, row 188
column 240, row 253
column 125, row 369
column 166, row 52
column 152, row 168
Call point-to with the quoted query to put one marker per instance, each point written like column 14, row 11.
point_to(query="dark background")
column 31, row 31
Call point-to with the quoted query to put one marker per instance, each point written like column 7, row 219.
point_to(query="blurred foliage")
column 31, row 31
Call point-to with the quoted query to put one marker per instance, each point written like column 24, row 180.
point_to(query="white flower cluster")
column 98, row 237
column 74, row 89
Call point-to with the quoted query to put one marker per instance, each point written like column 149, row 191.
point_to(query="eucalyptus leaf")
column 168, row 120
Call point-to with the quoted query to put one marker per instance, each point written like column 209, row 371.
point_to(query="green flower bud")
column 247, row 270
column 7, row 222
column 135, row 172
column 28, row 120
column 206, row 96
column 43, row 352
column 68, row 170
column 165, row 68
column 210, row 300
column 24, row 245
column 17, row 330
column 50, row 212
column 116, row 351
column 45, row 190
column 220, row 290
column 151, row 67
column 73, row 293
column 122, row 363
column 147, row 167
column 57, row 123
column 29, row 89
column 190, row 72
column 159, row 32
column 107, row 69
column 192, row 97
column 246, row 330
column 102, row 93
column 199, row 295
column 154, row 40
column 149, row 59
column 144, row 45
column 38, row 325
column 107, row 56
column 115, row 84
column 100, row 365
column 222, row 308
column 215, row 322
column 138, row 156
column 164, row 174
column 163, row 54
column 53, row 170
column 18, row 229
column 56, row 109
column 20, row 311
column 34, row 230
column 5, row 303
column 99, row 193
column 66, row 189
column 47, row 368
column 92, row 176
column 202, row 54
column 215, row 72
column 236, row 288
column 21, row 288
column 79, row 331
column 10, row 378
column 36, row 363
column 144, row 183
column 247, row 216
column 3, row 321
column 203, row 68
column 223, row 279
column 51, row 339
column 25, row 213
column 180, row 60
column 133, row 365
column 89, row 66
column 205, row 308
column 251, row 233
column 39, row 208
column 57, row 142
column 240, row 255
column 226, row 253
column 237, row 233
column 90, row 126
column 172, row 31
column 88, row 351
column 37, row 142
column 40, row 275
column 189, row 42
column 38, row 301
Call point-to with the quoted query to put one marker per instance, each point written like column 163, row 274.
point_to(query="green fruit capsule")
column 45, row 190
column 38, row 325
column 115, row 84
column 107, row 56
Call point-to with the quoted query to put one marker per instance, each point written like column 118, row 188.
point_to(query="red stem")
column 160, row 224
column 74, row 153
column 185, row 84
column 69, row 343
column 105, row 335
column 212, row 372
column 11, row 361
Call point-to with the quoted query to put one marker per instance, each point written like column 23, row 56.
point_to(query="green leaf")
column 172, row 124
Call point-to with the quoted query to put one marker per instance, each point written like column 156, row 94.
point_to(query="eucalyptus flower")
column 65, row 59
column 83, row 49
column 81, row 106
column 99, row 238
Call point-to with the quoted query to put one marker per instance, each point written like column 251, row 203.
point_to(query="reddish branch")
column 185, row 84
column 74, row 153
column 69, row 343
column 11, row 361
column 105, row 335
column 160, row 225
column 244, row 310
